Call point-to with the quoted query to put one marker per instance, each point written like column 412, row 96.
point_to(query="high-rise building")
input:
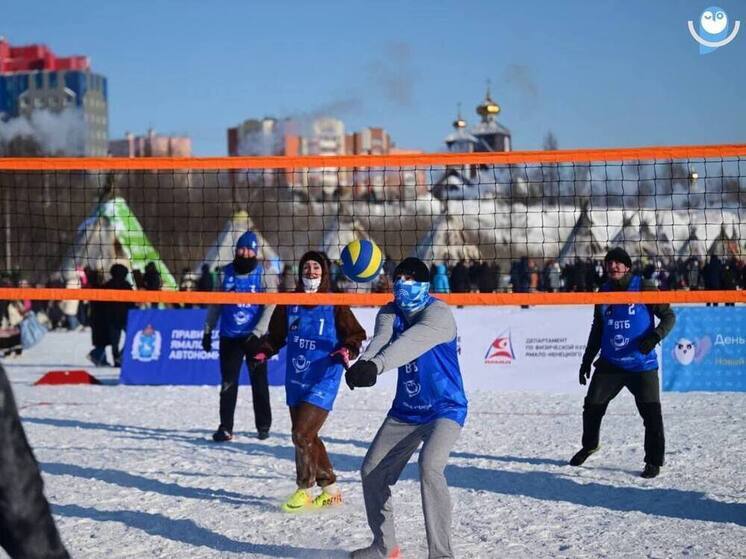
column 63, row 102
column 325, row 136
column 320, row 136
column 266, row 136
column 151, row 145
column 369, row 141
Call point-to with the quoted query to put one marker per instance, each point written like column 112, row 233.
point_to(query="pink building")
column 151, row 145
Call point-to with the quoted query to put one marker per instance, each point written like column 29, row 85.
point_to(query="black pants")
column 233, row 351
column 604, row 387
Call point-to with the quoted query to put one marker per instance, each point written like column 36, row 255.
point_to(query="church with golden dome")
column 487, row 135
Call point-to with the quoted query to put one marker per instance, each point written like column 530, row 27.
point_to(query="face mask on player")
column 311, row 285
column 244, row 265
column 410, row 295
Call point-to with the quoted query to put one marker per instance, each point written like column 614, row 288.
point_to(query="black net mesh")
column 493, row 227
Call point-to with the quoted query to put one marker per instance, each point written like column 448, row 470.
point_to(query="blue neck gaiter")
column 411, row 295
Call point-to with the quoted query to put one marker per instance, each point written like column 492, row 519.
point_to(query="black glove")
column 585, row 372
column 207, row 341
column 250, row 345
column 362, row 374
column 648, row 343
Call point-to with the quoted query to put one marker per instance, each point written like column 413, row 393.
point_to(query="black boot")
column 222, row 435
column 650, row 471
column 582, row 455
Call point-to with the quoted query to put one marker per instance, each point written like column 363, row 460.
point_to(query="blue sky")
column 597, row 73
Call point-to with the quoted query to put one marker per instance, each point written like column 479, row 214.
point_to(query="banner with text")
column 537, row 349
column 706, row 350
column 165, row 347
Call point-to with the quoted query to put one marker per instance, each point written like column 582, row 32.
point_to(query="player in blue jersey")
column 415, row 334
column 319, row 341
column 241, row 327
column 627, row 336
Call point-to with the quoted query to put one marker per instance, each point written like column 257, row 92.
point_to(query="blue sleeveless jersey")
column 623, row 328
column 311, row 375
column 237, row 321
column 430, row 387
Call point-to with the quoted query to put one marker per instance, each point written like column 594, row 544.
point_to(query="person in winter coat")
column 69, row 307
column 109, row 320
column 27, row 529
column 151, row 279
column 440, row 281
column 554, row 279
column 460, row 278
column 206, row 282
column 320, row 341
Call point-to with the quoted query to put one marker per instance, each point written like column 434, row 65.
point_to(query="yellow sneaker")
column 326, row 500
column 297, row 501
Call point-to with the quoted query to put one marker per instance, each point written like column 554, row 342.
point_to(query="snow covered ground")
column 131, row 472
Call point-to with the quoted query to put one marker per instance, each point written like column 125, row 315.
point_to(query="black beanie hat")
column 314, row 255
column 618, row 254
column 413, row 267
column 323, row 261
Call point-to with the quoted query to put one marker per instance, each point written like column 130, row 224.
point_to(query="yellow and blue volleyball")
column 362, row 260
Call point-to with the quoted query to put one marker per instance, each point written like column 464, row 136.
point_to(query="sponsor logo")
column 714, row 30
column 147, row 344
column 619, row 341
column 300, row 363
column 500, row 351
column 413, row 388
column 687, row 351
column 241, row 318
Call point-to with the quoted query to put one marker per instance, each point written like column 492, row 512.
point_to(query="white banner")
column 538, row 349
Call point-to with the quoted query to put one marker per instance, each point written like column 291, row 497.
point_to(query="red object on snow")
column 75, row 376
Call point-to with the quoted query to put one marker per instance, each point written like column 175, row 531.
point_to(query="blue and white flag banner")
column 164, row 346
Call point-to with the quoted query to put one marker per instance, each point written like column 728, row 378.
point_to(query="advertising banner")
column 706, row 350
column 537, row 349
column 164, row 346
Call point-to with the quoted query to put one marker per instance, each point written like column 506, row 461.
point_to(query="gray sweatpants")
column 390, row 451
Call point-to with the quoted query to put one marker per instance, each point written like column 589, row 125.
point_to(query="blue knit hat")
column 248, row 240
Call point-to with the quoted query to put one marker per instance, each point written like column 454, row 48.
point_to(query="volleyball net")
column 501, row 228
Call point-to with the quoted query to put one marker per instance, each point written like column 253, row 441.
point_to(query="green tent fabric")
column 113, row 234
column 132, row 238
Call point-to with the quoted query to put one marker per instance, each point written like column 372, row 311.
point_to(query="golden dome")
column 489, row 107
column 459, row 122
